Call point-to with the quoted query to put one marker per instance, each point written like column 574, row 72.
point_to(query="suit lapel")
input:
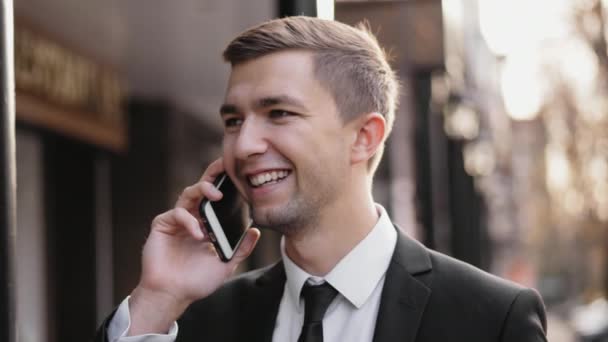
column 402, row 302
column 261, row 306
column 404, row 297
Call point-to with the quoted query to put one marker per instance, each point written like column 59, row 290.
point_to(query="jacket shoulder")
column 450, row 274
column 469, row 299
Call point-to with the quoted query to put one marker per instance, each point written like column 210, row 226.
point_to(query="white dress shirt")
column 358, row 278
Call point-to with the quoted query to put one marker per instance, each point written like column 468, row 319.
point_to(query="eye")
column 232, row 122
column 279, row 113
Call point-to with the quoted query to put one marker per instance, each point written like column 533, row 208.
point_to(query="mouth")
column 267, row 178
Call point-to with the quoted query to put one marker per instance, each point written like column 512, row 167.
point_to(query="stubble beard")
column 303, row 211
column 296, row 217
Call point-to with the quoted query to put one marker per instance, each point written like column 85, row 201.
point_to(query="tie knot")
column 316, row 301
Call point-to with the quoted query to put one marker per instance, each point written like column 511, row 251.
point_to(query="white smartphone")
column 225, row 220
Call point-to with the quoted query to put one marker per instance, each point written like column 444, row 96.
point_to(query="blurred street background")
column 498, row 157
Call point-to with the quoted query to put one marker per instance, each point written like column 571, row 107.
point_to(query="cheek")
column 228, row 156
column 228, row 142
column 333, row 144
column 230, row 168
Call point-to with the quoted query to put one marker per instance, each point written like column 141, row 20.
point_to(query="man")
column 312, row 101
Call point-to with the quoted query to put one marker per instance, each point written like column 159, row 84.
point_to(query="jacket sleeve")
column 526, row 320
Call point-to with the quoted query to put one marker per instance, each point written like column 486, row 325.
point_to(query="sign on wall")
column 68, row 93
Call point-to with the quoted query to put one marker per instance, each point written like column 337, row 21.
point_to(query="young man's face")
column 285, row 145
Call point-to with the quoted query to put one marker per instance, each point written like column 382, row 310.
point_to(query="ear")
column 369, row 136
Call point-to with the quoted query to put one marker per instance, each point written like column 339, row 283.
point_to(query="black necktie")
column 316, row 300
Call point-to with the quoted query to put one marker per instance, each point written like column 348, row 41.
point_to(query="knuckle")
column 159, row 219
column 205, row 186
column 180, row 212
column 186, row 191
column 193, row 190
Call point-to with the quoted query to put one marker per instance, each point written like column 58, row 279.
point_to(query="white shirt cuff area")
column 121, row 322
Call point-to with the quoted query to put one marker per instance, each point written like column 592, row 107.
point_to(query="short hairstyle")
column 348, row 61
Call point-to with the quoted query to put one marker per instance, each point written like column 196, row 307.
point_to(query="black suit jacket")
column 427, row 297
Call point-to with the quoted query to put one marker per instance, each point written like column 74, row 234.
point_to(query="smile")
column 270, row 177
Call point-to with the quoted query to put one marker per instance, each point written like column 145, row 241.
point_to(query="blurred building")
column 116, row 113
column 525, row 92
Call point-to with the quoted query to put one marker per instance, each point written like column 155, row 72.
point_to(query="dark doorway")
column 70, row 208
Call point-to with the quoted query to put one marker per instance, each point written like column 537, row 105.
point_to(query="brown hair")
column 349, row 62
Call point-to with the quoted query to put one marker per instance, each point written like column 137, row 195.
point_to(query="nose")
column 250, row 140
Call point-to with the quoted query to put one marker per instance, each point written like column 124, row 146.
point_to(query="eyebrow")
column 264, row 102
column 226, row 109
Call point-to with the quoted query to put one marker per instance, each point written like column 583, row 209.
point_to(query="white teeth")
column 260, row 179
column 266, row 177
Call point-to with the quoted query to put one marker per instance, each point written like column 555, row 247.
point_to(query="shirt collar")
column 358, row 273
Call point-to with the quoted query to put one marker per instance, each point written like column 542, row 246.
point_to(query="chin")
column 286, row 219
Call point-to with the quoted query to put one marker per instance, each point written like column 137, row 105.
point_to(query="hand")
column 179, row 263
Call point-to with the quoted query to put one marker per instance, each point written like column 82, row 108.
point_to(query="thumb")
column 247, row 245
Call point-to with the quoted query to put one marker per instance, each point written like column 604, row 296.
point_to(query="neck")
column 340, row 228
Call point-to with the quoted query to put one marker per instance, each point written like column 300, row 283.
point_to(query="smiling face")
column 285, row 145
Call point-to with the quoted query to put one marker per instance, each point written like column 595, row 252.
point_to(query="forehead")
column 287, row 72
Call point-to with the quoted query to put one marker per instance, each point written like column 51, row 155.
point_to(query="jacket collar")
column 402, row 302
column 405, row 292
column 261, row 306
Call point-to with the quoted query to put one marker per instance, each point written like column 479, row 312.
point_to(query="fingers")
column 249, row 242
column 178, row 220
column 213, row 170
column 192, row 195
column 204, row 188
column 184, row 218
